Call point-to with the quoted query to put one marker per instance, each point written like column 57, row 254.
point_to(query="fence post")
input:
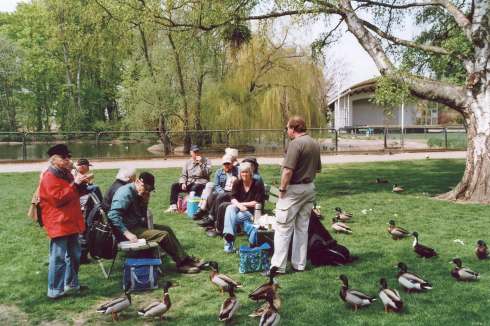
column 445, row 137
column 385, row 131
column 24, row 146
column 336, row 140
column 227, row 137
column 97, row 135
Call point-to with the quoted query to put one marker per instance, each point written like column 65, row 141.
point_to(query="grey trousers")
column 293, row 216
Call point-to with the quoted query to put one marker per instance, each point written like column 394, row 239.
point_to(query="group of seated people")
column 227, row 203
column 126, row 204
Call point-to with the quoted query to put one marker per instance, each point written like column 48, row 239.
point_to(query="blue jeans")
column 64, row 262
column 234, row 217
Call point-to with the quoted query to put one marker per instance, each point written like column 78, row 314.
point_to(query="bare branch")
column 411, row 44
column 458, row 15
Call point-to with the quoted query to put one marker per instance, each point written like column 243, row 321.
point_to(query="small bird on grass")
column 271, row 316
column 115, row 306
column 158, row 308
column 354, row 297
column 421, row 250
column 398, row 189
column 340, row 227
column 481, row 250
column 411, row 281
column 397, row 232
column 341, row 215
column 390, row 297
column 222, row 281
column 229, row 306
column 462, row 273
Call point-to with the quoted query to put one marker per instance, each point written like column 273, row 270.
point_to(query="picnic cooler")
column 192, row 205
column 254, row 259
column 141, row 274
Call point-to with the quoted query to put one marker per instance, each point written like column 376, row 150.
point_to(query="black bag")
column 101, row 241
column 322, row 248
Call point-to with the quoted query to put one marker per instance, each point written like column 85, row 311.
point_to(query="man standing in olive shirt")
column 297, row 196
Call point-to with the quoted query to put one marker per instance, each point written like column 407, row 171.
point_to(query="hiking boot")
column 171, row 209
column 199, row 215
column 205, row 222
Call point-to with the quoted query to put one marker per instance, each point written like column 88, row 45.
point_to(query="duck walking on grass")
column 340, row 227
column 397, row 232
column 398, row 189
column 411, row 281
column 230, row 306
column 261, row 292
column 158, row 308
column 341, row 215
column 462, row 273
column 390, row 297
column 115, row 306
column 221, row 280
column 353, row 297
column 421, row 250
column 271, row 316
column 481, row 250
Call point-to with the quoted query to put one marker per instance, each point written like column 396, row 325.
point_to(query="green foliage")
column 389, row 92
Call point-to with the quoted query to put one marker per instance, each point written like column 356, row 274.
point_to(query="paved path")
column 175, row 163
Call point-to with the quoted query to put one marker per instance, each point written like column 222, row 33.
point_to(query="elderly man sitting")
column 195, row 175
column 128, row 214
column 245, row 194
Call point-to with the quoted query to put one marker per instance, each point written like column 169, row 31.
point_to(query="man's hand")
column 184, row 187
column 80, row 178
column 242, row 207
column 130, row 236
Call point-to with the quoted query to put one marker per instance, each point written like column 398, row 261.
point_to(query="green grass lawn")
column 309, row 298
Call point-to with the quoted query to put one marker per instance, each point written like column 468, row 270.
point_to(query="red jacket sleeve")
column 58, row 191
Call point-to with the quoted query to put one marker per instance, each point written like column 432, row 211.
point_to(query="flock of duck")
column 268, row 292
column 409, row 281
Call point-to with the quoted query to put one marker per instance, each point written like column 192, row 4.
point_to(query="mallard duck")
column 411, row 281
column 462, row 273
column 340, row 227
column 397, row 232
column 271, row 316
column 115, row 306
column 341, row 215
column 261, row 292
column 380, row 180
column 421, row 250
column 481, row 250
column 354, row 297
column 263, row 308
column 390, row 297
column 229, row 306
column 158, row 308
column 221, row 280
column 397, row 188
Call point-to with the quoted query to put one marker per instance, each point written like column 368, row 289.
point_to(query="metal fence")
column 146, row 144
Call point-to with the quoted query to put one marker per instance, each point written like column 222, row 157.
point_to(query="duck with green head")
column 411, row 281
column 463, row 273
column 354, row 297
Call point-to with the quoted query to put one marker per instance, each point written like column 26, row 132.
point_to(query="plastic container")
column 192, row 205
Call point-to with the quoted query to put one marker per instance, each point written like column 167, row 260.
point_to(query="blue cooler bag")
column 254, row 259
column 192, row 205
column 141, row 274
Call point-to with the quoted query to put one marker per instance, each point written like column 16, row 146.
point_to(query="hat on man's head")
column 227, row 159
column 195, row 148
column 252, row 160
column 148, row 179
column 59, row 149
column 83, row 161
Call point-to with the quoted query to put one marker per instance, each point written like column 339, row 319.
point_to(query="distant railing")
column 147, row 144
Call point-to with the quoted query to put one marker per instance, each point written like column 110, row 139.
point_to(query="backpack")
column 102, row 242
column 322, row 248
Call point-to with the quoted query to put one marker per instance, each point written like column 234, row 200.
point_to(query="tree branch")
column 457, row 14
column 411, row 44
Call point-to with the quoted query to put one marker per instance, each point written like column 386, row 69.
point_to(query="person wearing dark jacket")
column 59, row 195
column 129, row 214
column 123, row 177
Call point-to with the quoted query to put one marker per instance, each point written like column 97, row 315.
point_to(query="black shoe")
column 199, row 215
column 205, row 222
column 229, row 237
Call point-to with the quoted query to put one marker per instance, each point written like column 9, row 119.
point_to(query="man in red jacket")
column 59, row 194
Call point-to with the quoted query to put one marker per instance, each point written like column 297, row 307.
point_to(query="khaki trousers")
column 293, row 216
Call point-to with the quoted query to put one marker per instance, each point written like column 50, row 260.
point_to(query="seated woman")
column 245, row 194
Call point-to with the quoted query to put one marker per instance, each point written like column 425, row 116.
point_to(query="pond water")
column 37, row 151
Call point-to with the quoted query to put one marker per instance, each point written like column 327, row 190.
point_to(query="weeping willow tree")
column 266, row 84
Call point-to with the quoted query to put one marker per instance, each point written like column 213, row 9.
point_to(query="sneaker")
column 229, row 249
column 205, row 222
column 171, row 209
column 75, row 290
column 199, row 215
